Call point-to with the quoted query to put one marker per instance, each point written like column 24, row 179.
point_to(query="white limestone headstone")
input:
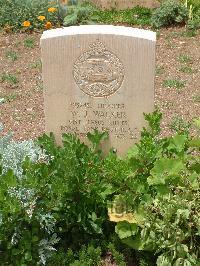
column 98, row 77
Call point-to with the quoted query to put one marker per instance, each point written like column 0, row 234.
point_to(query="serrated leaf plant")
column 163, row 190
column 63, row 200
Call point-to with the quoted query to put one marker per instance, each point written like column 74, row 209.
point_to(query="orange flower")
column 48, row 25
column 26, row 23
column 41, row 18
column 52, row 9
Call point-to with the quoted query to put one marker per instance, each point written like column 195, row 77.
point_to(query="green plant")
column 179, row 125
column 62, row 195
column 169, row 13
column 117, row 256
column 184, row 58
column 12, row 79
column 196, row 98
column 8, row 98
column 160, row 70
column 189, row 33
column 29, row 43
column 15, row 13
column 11, row 55
column 187, row 70
column 162, row 197
column 36, row 64
column 193, row 14
column 80, row 14
column 174, row 83
column 134, row 16
column 54, row 208
column 89, row 256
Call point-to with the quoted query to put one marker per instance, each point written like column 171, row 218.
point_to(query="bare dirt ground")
column 177, row 81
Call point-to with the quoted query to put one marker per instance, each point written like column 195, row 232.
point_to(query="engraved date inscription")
column 104, row 117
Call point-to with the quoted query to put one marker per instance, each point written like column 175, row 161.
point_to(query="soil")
column 21, row 104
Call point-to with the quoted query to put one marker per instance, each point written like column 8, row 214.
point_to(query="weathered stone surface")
column 123, row 4
column 98, row 77
column 120, row 4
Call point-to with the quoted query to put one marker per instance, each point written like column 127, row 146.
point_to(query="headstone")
column 123, row 4
column 119, row 4
column 98, row 77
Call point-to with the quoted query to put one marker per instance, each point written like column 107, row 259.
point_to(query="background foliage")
column 15, row 13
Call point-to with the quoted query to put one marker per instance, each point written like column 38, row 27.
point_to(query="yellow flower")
column 52, row 9
column 41, row 18
column 26, row 23
column 48, row 25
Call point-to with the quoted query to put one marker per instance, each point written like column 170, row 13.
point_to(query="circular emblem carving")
column 98, row 72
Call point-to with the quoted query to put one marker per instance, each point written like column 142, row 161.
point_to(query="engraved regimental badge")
column 98, row 72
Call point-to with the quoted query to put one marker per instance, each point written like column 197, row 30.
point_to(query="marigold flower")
column 41, row 18
column 48, row 25
column 26, row 23
column 52, row 9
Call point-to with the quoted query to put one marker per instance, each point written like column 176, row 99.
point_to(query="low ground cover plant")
column 169, row 13
column 28, row 15
column 65, row 205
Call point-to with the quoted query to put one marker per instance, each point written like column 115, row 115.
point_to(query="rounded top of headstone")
column 100, row 29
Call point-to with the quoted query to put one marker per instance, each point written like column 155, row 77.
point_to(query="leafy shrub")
column 14, row 153
column 27, row 14
column 80, row 14
column 57, row 212
column 134, row 16
column 63, row 198
column 87, row 256
column 162, row 211
column 169, row 13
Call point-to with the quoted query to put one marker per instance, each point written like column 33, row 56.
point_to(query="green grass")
column 135, row 16
column 8, row 98
column 11, row 55
column 179, row 125
column 29, row 43
column 189, row 33
column 160, row 70
column 10, row 78
column 196, row 98
column 174, row 83
column 187, row 70
column 37, row 64
column 184, row 58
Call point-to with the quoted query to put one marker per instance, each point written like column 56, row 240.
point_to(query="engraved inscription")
column 109, row 117
column 98, row 72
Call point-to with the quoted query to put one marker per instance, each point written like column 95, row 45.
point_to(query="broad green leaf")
column 132, row 152
column 178, row 142
column 197, row 122
column 162, row 189
column 125, row 229
column 108, row 190
column 28, row 256
column 10, row 179
column 70, row 19
column 195, row 167
column 195, row 142
column 194, row 180
column 164, row 169
column 163, row 261
column 137, row 243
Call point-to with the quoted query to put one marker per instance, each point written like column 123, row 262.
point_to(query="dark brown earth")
column 22, row 109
